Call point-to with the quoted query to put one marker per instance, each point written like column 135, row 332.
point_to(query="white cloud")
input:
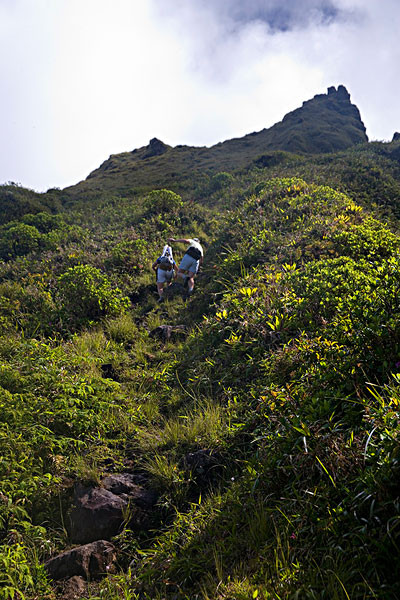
column 84, row 79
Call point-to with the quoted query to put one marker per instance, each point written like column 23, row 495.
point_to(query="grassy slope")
column 295, row 312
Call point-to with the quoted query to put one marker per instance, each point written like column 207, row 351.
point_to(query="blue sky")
column 83, row 79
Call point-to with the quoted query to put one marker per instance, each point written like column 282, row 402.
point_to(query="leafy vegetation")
column 286, row 380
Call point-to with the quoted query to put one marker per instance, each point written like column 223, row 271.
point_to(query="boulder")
column 91, row 561
column 98, row 514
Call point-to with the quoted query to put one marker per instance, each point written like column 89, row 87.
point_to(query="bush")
column 163, row 201
column 19, row 240
column 29, row 308
column 88, row 294
column 220, row 180
column 44, row 222
column 129, row 255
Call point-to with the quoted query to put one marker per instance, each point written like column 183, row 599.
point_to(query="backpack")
column 194, row 252
column 166, row 263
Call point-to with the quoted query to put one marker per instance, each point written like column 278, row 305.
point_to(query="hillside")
column 239, row 443
column 327, row 123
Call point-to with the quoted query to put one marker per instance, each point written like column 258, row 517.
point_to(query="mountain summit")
column 326, row 123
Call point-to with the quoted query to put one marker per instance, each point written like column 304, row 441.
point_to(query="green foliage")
column 87, row 294
column 16, row 201
column 370, row 240
column 28, row 308
column 220, row 181
column 130, row 255
column 19, row 578
column 163, row 202
column 287, row 375
column 19, row 240
column 44, row 222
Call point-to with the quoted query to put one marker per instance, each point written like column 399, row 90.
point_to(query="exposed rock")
column 74, row 588
column 326, row 123
column 98, row 514
column 127, row 484
column 396, row 137
column 155, row 148
column 90, row 561
column 342, row 94
column 166, row 332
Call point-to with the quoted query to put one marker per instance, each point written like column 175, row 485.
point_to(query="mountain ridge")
column 326, row 123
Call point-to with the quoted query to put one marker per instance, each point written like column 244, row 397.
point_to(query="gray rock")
column 98, row 514
column 155, row 148
column 91, row 561
column 396, row 137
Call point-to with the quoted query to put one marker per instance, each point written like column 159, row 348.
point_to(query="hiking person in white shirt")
column 191, row 261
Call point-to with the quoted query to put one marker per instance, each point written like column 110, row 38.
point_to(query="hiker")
column 190, row 263
column 165, row 268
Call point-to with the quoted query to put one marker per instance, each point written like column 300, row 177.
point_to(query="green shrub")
column 220, row 180
column 19, row 240
column 129, row 255
column 28, row 308
column 44, row 222
column 87, row 293
column 163, row 201
column 370, row 240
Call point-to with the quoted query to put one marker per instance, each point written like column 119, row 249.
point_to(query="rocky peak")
column 340, row 94
column 155, row 148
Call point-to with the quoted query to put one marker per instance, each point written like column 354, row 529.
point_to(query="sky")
column 83, row 79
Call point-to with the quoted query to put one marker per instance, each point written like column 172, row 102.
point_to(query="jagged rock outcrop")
column 155, row 148
column 326, row 123
column 90, row 561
